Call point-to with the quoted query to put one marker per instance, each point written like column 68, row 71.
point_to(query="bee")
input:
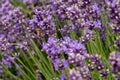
column 39, row 33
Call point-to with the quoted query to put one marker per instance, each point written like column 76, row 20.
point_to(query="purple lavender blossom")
column 75, row 50
column 113, row 7
column 43, row 20
column 12, row 32
column 115, row 64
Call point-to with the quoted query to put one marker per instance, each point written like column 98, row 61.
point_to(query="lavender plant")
column 59, row 39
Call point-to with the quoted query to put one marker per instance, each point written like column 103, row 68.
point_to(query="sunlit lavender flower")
column 12, row 34
column 95, row 63
column 52, row 48
column 63, row 77
column 43, row 20
column 81, row 73
column 88, row 36
column 114, row 9
column 73, row 49
column 104, row 73
column 74, row 75
column 115, row 64
column 95, row 60
column 78, row 15
column 60, row 65
column 66, row 30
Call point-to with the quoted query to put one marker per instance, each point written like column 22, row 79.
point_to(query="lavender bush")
column 59, row 39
